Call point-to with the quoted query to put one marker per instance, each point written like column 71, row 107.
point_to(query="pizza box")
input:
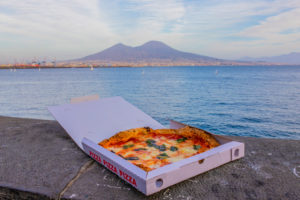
column 90, row 120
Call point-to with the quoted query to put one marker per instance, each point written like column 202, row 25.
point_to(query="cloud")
column 275, row 35
column 58, row 25
column 68, row 29
column 275, row 26
column 153, row 20
column 232, row 29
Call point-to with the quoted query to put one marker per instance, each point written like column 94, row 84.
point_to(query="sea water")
column 259, row 101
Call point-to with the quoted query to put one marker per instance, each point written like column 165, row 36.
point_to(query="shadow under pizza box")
column 89, row 120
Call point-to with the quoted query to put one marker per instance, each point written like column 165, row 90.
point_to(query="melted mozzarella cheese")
column 154, row 157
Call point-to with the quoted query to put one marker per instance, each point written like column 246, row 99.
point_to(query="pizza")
column 150, row 149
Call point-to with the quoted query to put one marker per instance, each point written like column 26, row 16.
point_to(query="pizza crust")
column 186, row 131
column 126, row 135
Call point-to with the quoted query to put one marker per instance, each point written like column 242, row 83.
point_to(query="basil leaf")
column 172, row 148
column 128, row 146
column 132, row 158
column 162, row 156
column 181, row 139
column 150, row 142
column 162, row 147
column 140, row 149
column 196, row 147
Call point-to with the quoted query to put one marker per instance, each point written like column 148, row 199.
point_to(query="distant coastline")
column 139, row 65
column 152, row 53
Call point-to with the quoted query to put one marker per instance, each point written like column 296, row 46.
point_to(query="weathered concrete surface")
column 38, row 160
column 36, row 156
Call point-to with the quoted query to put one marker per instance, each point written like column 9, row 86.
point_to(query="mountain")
column 291, row 59
column 150, row 51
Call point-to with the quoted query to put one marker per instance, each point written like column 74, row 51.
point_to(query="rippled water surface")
column 248, row 101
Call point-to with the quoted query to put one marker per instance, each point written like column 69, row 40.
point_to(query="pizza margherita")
column 150, row 149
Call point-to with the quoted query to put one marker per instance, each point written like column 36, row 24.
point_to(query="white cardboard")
column 88, row 123
column 100, row 119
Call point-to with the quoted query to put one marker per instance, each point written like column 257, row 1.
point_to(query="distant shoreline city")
column 87, row 65
column 152, row 53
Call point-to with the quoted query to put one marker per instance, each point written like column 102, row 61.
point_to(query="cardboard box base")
column 90, row 120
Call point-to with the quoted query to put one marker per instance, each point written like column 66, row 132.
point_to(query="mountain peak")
column 119, row 45
column 155, row 44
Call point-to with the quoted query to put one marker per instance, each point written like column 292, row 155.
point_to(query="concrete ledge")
column 38, row 160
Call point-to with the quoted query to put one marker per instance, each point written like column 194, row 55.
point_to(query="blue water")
column 248, row 101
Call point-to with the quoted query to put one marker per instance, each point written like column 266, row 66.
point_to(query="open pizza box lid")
column 89, row 120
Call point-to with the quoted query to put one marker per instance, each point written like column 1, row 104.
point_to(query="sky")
column 67, row 29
